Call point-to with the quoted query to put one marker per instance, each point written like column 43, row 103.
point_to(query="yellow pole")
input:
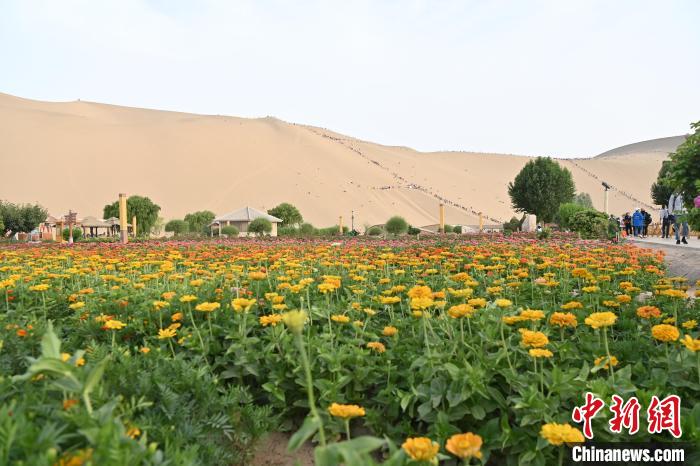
column 340, row 225
column 442, row 218
column 481, row 222
column 123, row 231
column 133, row 225
column 59, row 233
column 605, row 203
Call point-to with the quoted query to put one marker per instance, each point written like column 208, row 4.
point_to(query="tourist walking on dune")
column 627, row 221
column 637, row 222
column 680, row 217
column 664, row 219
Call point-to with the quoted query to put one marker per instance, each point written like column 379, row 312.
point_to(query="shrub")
column 512, row 225
column 229, row 230
column 457, row 229
column 566, row 211
column 449, row 229
column 413, row 230
column 283, row 230
column 396, row 225
column 77, row 233
column 374, row 231
column 289, row 214
column 260, row 226
column 590, row 224
column 198, row 222
column 306, row 229
column 177, row 227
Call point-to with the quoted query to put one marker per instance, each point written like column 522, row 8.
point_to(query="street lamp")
column 607, row 187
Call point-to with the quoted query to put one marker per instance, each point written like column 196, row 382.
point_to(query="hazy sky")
column 560, row 77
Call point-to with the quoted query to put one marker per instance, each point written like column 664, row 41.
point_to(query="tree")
column 176, row 227
column 21, row 218
column 229, row 230
column 584, row 199
column 260, row 226
column 684, row 167
column 661, row 190
column 289, row 214
column 590, row 224
column 157, row 228
column 77, row 233
column 374, row 231
column 199, row 221
column 396, row 225
column 306, row 229
column 143, row 208
column 540, row 187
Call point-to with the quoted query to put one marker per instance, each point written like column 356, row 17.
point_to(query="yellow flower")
column 563, row 319
column 145, row 350
column 39, row 287
column 160, row 304
column 420, row 448
column 460, row 310
column 572, row 305
column 295, row 321
column 690, row 343
column 188, row 298
column 389, row 299
column 477, row 302
column 207, row 307
column 503, row 302
column 421, row 303
column 613, row 360
column 590, row 289
column 465, row 445
column 510, row 320
column 690, row 324
column 272, row 319
column 376, row 346
column 601, row 319
column 532, row 314
column 420, row 292
column 672, row 293
column 343, row 319
column 177, row 316
column 540, row 353
column 114, row 325
column 647, row 312
column 533, row 339
column 390, row 331
column 77, row 305
column 623, row 298
column 557, row 434
column 257, row 275
column 346, row 411
column 165, row 333
column 665, row 332
column 242, row 304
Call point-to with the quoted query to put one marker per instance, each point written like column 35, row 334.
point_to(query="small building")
column 241, row 219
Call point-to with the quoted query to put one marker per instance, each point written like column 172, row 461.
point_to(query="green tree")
column 684, row 167
column 306, row 229
column 199, row 221
column 289, row 214
column 143, row 208
column 661, row 190
column 396, row 225
column 21, row 218
column 590, row 224
column 229, row 230
column 540, row 187
column 260, row 226
column 176, row 227
column 374, row 231
column 77, row 233
column 584, row 199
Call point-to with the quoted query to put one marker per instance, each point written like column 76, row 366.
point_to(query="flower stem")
column 310, row 388
column 347, row 428
column 607, row 352
column 505, row 348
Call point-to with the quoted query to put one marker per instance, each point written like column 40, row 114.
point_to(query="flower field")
column 397, row 353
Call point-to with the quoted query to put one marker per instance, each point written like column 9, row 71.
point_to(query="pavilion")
column 241, row 219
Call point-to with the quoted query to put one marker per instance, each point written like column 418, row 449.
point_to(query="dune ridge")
column 80, row 155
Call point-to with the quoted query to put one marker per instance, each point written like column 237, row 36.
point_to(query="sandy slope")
column 80, row 155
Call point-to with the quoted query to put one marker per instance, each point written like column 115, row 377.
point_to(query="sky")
column 559, row 78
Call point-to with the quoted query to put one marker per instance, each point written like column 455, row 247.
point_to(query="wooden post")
column 340, row 225
column 442, row 218
column 133, row 225
column 123, row 229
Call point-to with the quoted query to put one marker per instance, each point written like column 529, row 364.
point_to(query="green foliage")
column 540, row 187
column 566, row 211
column 590, row 224
column 396, row 225
column 694, row 218
column 199, row 221
column 289, row 214
column 684, row 167
column 375, row 231
column 411, row 230
column 230, row 231
column 177, row 227
column 449, row 228
column 545, row 233
column 77, row 233
column 260, row 226
column 583, row 199
column 457, row 229
column 661, row 190
column 158, row 226
column 143, row 208
column 21, row 218
column 513, row 225
column 306, row 229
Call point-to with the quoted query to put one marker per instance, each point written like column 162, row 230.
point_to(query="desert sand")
column 80, row 155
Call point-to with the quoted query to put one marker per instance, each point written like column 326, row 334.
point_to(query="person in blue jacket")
column 637, row 222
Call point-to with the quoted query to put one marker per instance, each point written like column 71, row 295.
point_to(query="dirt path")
column 682, row 261
column 272, row 451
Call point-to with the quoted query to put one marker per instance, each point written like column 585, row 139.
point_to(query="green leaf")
column 94, row 376
column 306, row 431
column 50, row 345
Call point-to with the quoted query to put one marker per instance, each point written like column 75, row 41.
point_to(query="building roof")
column 246, row 214
column 94, row 222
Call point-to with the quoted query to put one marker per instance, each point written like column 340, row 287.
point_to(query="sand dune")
column 80, row 155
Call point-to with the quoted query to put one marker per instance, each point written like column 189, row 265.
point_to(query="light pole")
column 606, row 186
column 352, row 220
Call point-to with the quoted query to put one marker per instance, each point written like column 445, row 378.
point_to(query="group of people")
column 674, row 214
